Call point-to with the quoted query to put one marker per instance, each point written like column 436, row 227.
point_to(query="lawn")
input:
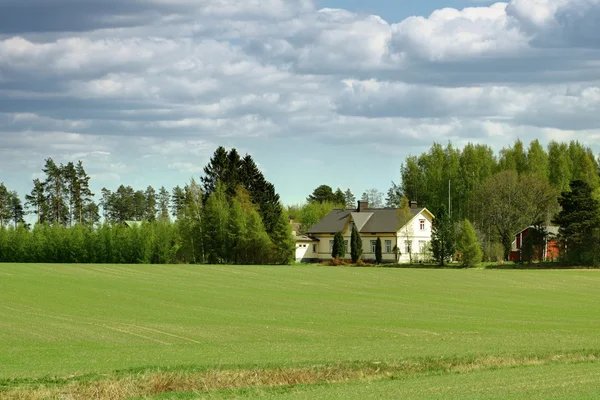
column 424, row 327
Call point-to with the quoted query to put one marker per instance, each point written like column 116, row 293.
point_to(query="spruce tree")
column 150, row 212
column 378, row 251
column 442, row 237
column 468, row 245
column 339, row 248
column 578, row 223
column 356, row 248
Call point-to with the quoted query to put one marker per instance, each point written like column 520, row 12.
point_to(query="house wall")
column 324, row 252
column 304, row 251
column 415, row 235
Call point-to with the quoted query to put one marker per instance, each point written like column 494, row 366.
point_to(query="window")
column 351, row 227
column 373, row 246
column 407, row 246
column 422, row 224
column 330, row 246
column 422, row 245
column 346, row 245
column 314, row 248
column 388, row 246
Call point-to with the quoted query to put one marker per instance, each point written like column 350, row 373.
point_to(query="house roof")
column 304, row 238
column 550, row 229
column 379, row 220
column 131, row 224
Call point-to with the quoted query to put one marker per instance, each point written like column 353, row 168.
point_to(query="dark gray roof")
column 379, row 220
column 304, row 238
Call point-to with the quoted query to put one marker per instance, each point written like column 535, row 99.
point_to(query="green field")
column 407, row 332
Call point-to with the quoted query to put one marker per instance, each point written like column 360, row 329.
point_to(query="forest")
column 234, row 215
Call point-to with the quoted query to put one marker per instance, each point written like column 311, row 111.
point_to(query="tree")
column 5, row 206
column 56, row 191
column 178, row 202
column 312, row 213
column 442, row 237
column 394, row 196
column 578, row 223
column 214, row 225
column 37, row 200
column 507, row 202
column 163, row 203
column 322, row 194
column 339, row 197
column 374, row 197
column 378, row 251
column 339, row 248
column 82, row 195
column 356, row 248
column 150, row 212
column 468, row 246
column 17, row 213
column 283, row 243
column 349, row 199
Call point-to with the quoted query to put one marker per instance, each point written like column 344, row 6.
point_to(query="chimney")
column 363, row 205
column 413, row 204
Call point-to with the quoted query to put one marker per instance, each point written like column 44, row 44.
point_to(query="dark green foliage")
column 356, row 248
column 442, row 237
column 339, row 248
column 468, row 246
column 322, row 194
column 378, row 251
column 394, row 196
column 578, row 223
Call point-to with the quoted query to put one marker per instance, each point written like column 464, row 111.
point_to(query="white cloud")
column 160, row 84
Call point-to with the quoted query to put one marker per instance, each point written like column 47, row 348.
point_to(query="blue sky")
column 317, row 91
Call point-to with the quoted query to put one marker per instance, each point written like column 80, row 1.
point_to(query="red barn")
column 549, row 252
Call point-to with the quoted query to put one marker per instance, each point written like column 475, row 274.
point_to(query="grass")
column 312, row 331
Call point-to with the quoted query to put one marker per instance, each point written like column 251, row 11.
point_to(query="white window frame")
column 373, row 246
column 388, row 246
column 422, row 245
column 422, row 224
column 331, row 246
column 314, row 248
column 408, row 246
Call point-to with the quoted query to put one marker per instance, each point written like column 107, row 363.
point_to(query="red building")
column 549, row 252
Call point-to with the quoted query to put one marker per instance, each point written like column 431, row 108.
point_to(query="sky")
column 335, row 92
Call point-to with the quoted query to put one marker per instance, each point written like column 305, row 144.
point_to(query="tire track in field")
column 73, row 318
column 45, row 315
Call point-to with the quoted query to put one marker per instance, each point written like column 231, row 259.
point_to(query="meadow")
column 297, row 332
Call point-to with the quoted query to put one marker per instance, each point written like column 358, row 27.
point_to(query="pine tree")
column 339, row 247
column 378, row 251
column 150, row 212
column 5, row 206
column 578, row 223
column 163, row 203
column 356, row 248
column 442, row 237
column 37, row 200
column 178, row 202
column 350, row 199
column 56, row 191
column 17, row 213
column 468, row 245
column 82, row 195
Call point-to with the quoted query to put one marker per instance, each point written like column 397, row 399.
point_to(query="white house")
column 400, row 244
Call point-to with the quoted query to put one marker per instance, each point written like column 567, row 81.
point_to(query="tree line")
column 502, row 194
column 233, row 215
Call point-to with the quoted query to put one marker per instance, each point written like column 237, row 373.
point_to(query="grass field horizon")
column 67, row 321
